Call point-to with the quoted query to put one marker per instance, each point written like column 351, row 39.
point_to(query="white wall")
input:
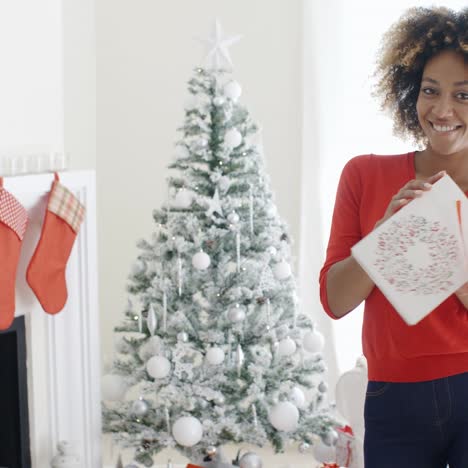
column 145, row 55
column 79, row 74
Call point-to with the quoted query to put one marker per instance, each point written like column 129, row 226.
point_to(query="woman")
column 416, row 411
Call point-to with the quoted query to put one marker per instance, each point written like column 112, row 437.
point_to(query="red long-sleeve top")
column 437, row 346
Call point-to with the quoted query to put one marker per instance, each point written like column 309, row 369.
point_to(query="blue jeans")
column 417, row 425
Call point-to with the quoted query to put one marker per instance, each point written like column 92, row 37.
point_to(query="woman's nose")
column 443, row 108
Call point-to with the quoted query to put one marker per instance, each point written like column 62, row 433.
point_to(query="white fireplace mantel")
column 63, row 361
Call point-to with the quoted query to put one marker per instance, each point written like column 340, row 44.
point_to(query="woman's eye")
column 462, row 96
column 428, row 91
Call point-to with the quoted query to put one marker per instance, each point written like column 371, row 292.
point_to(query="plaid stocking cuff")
column 12, row 213
column 66, row 206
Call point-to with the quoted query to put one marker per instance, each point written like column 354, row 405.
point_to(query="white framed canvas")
column 417, row 258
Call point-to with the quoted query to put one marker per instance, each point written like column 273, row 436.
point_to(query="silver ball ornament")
column 322, row 387
column 211, row 451
column 182, row 336
column 330, row 438
column 140, row 407
column 220, row 400
column 303, row 447
column 250, row 460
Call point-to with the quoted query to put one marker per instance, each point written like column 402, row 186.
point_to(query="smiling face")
column 442, row 104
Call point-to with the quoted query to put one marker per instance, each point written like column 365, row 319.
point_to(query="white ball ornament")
column 233, row 218
column 250, row 460
column 236, row 314
column 182, row 152
column 233, row 138
column 233, row 90
column 297, row 397
column 272, row 251
column 284, row 417
column 313, row 341
column 187, row 431
column 113, row 387
column 201, row 261
column 215, row 356
column 158, row 367
column 202, row 142
column 218, row 101
column 282, row 270
column 287, row 347
column 139, row 267
column 183, row 199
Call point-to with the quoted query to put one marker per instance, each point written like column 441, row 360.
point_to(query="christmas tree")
column 213, row 349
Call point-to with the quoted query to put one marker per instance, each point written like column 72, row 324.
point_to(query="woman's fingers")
column 433, row 179
column 413, row 189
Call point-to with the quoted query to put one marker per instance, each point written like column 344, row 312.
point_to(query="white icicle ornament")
column 201, row 261
column 282, row 270
column 158, row 367
column 187, row 431
column 284, row 417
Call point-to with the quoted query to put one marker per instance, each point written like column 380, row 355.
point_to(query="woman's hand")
column 413, row 189
column 462, row 294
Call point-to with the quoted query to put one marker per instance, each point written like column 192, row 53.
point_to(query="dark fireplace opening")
column 14, row 420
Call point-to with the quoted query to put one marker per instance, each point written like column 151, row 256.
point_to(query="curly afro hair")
column 419, row 35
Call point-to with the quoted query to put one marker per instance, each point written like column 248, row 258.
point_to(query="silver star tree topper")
column 217, row 44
